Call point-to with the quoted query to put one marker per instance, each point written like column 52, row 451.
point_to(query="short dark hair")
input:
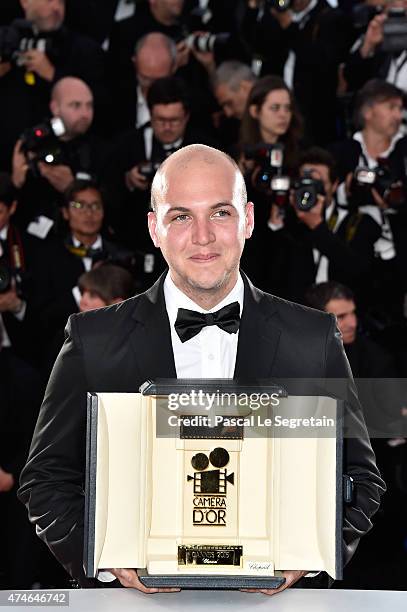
column 8, row 193
column 168, row 90
column 318, row 295
column 108, row 281
column 79, row 185
column 320, row 156
column 373, row 92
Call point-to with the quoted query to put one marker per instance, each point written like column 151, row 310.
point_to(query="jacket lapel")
column 259, row 336
column 151, row 335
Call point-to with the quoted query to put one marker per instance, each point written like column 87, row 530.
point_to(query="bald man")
column 77, row 154
column 200, row 223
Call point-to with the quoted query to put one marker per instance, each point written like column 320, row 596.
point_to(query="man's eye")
column 181, row 218
column 222, row 213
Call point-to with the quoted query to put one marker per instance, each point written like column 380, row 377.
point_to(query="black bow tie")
column 189, row 323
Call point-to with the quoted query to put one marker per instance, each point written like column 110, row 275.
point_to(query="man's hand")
column 373, row 36
column 135, row 180
column 276, row 216
column 6, row 481
column 129, row 578
column 314, row 217
column 10, row 302
column 37, row 61
column 182, row 54
column 291, row 577
column 59, row 176
column 5, row 68
column 206, row 58
column 20, row 166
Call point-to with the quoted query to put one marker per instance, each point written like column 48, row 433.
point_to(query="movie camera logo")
column 210, row 486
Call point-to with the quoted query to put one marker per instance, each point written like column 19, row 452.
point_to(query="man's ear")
column 24, row 4
column 253, row 111
column 152, row 228
column 335, row 186
column 53, row 106
column 249, row 221
column 65, row 213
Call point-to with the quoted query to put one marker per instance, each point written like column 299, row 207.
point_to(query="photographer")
column 21, row 387
column 305, row 41
column 44, row 166
column 137, row 157
column 377, row 53
column 314, row 239
column 82, row 247
column 379, row 149
column 43, row 52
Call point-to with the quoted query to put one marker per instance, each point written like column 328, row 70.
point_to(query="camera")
column 306, row 191
column 148, row 169
column 362, row 14
column 205, row 43
column 382, row 180
column 10, row 272
column 395, row 31
column 17, row 38
column 279, row 5
column 42, row 142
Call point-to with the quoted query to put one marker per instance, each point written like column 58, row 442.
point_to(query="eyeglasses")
column 82, row 206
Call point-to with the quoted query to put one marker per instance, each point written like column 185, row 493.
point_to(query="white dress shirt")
column 212, row 352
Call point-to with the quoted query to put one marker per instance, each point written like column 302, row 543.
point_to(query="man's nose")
column 202, row 233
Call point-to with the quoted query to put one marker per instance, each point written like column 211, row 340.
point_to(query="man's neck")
column 376, row 144
column 205, row 298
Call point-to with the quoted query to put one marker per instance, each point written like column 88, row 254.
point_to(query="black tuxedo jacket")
column 119, row 347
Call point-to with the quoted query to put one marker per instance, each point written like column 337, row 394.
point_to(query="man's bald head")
column 154, row 57
column 72, row 101
column 190, row 157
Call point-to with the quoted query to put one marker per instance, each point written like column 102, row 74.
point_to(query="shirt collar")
column 358, row 136
column 3, row 233
column 173, row 145
column 175, row 298
column 96, row 245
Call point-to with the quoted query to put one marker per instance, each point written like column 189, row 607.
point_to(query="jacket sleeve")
column 52, row 482
column 359, row 458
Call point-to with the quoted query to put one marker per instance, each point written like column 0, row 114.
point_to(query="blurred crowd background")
column 308, row 96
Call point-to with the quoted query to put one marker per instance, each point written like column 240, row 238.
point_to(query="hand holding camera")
column 38, row 62
column 374, row 35
column 137, row 179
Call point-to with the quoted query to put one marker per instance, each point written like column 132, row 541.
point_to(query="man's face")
column 85, row 213
column 75, row 108
column 149, row 68
column 5, row 213
column 321, row 172
column 384, row 118
column 169, row 122
column 345, row 312
column 47, row 15
column 169, row 9
column 201, row 227
column 233, row 102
